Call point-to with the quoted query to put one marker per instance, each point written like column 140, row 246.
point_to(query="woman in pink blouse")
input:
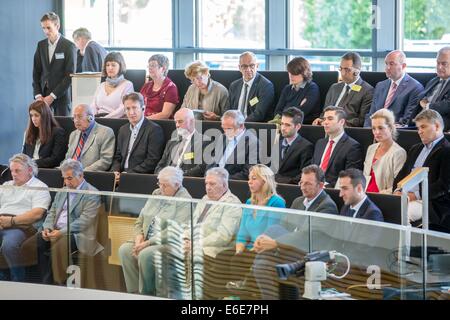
column 160, row 93
column 108, row 97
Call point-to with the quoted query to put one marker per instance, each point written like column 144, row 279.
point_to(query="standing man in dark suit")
column 54, row 61
column 236, row 150
column 139, row 143
column 356, row 202
column 254, row 94
column 434, row 153
column 353, row 94
column 295, row 152
column 90, row 54
column 338, row 151
column 399, row 92
column 185, row 149
column 437, row 90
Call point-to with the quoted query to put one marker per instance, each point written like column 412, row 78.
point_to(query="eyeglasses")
column 153, row 65
column 246, row 66
column 347, row 70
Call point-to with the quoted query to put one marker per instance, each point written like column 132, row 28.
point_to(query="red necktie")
column 390, row 95
column 326, row 158
column 77, row 154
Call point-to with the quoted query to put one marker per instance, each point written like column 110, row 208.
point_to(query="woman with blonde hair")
column 385, row 158
column 204, row 93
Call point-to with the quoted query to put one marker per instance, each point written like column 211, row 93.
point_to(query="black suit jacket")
column 346, row 154
column 146, row 151
column 243, row 157
column 442, row 102
column 51, row 153
column 263, row 90
column 192, row 164
column 55, row 76
column 368, row 211
column 438, row 162
column 298, row 156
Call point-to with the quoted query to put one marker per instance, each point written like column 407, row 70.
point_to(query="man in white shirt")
column 21, row 210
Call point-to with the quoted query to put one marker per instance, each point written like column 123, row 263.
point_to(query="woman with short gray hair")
column 160, row 93
column 151, row 233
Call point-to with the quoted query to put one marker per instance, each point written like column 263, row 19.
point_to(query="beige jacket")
column 386, row 168
column 216, row 100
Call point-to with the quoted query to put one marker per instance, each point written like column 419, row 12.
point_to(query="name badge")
column 254, row 101
column 356, row 88
column 59, row 55
column 189, row 156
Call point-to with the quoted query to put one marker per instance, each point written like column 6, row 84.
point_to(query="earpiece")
column 90, row 117
column 355, row 73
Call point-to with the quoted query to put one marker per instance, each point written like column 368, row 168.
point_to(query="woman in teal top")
column 254, row 222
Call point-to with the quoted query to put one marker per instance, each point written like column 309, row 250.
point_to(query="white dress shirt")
column 134, row 133
column 336, row 140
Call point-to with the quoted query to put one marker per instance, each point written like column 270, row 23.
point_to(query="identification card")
column 189, row 156
column 59, row 55
column 254, row 101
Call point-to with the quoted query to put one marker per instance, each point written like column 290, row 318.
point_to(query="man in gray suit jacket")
column 353, row 94
column 282, row 243
column 54, row 61
column 81, row 212
column 254, row 94
column 399, row 92
column 92, row 144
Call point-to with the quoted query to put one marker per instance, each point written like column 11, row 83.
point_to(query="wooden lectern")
column 84, row 86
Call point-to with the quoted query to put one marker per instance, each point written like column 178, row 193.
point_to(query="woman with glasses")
column 208, row 98
column 301, row 92
column 160, row 93
column 385, row 158
column 45, row 141
column 152, row 235
column 108, row 97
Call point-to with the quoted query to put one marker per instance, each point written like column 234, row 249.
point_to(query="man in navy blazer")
column 90, row 54
column 437, row 91
column 356, row 202
column 256, row 100
column 399, row 93
column 338, row 151
column 54, row 61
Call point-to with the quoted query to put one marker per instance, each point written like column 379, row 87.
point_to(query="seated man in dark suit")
column 434, row 153
column 185, row 149
column 139, row 143
column 279, row 243
column 356, row 202
column 353, row 94
column 236, row 150
column 399, row 92
column 254, row 94
column 90, row 54
column 295, row 152
column 338, row 151
column 81, row 211
column 437, row 91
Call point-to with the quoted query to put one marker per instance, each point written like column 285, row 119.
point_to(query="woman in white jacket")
column 385, row 158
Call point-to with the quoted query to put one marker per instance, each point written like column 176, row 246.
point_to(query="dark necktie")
column 284, row 150
column 150, row 229
column 344, row 97
column 77, row 154
column 244, row 101
column 351, row 212
column 439, row 88
column 204, row 212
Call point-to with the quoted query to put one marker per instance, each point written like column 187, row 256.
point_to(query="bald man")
column 399, row 92
column 184, row 149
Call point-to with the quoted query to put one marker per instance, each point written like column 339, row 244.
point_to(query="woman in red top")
column 160, row 93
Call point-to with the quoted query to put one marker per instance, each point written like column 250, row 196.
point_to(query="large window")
column 232, row 24
column 330, row 24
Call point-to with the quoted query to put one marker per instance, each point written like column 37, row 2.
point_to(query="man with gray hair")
column 91, row 143
column 185, row 149
column 434, row 153
column 90, row 54
column 253, row 94
column 21, row 210
column 437, row 91
column 236, row 149
column 80, row 210
column 399, row 93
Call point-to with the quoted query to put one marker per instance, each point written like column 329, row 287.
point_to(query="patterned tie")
column 284, row 150
column 203, row 214
column 77, row 154
column 351, row 212
column 438, row 90
column 150, row 230
column 344, row 97
column 390, row 95
column 326, row 158
column 244, row 101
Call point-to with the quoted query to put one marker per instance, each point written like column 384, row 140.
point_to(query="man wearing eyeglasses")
column 353, row 94
column 399, row 93
column 253, row 95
